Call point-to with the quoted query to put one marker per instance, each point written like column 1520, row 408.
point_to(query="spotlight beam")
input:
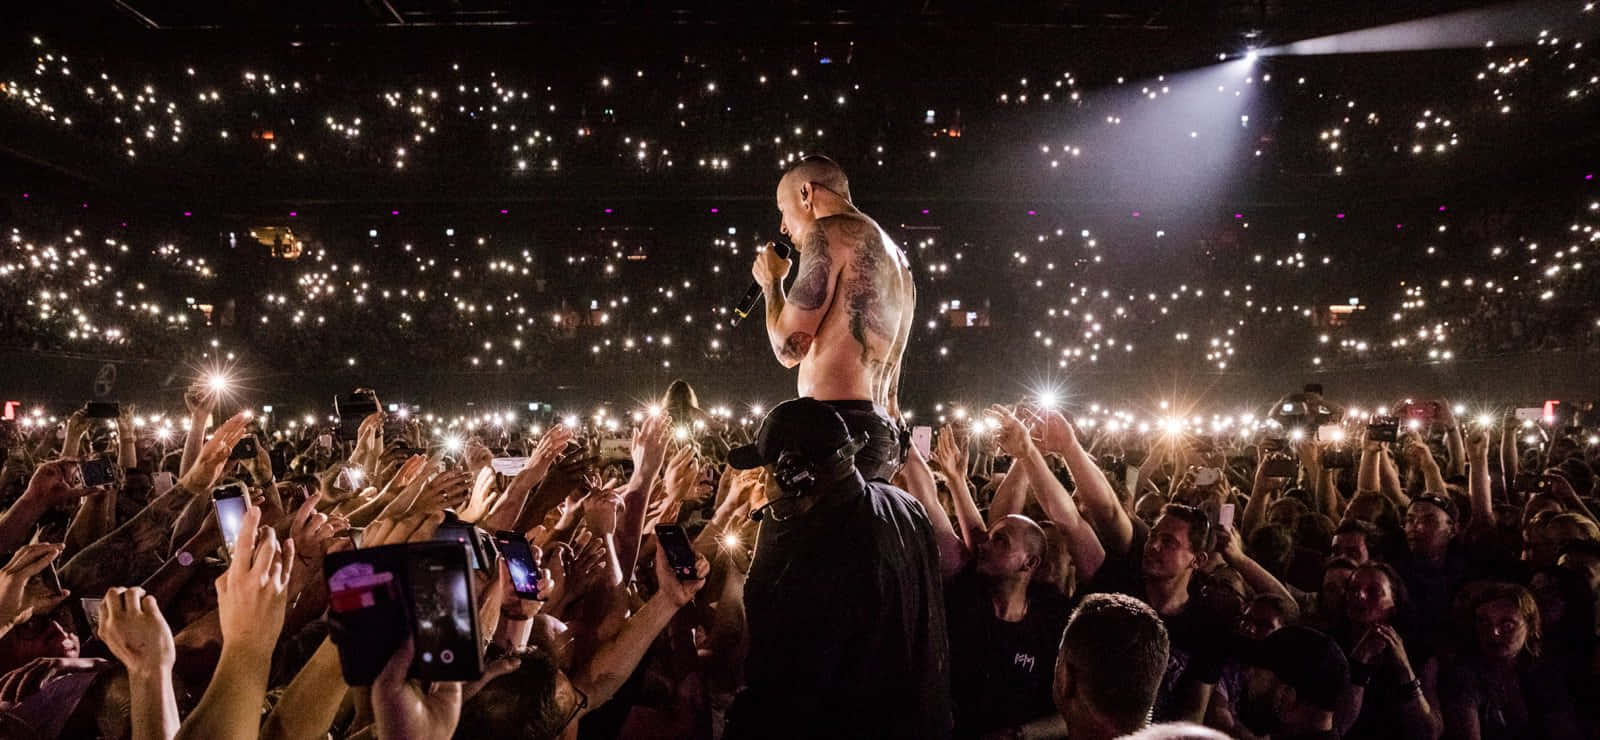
column 1509, row 24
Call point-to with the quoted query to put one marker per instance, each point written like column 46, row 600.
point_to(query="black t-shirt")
column 846, row 620
column 1199, row 635
column 1001, row 672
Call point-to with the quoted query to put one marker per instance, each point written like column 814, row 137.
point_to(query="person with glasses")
column 846, row 318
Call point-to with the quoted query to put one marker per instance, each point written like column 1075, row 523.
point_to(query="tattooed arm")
column 793, row 319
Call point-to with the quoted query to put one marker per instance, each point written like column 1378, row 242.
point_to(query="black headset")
column 797, row 476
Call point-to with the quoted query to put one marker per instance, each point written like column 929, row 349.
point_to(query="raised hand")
column 199, row 399
column 949, row 455
column 484, row 498
column 683, row 475
column 132, row 626
column 403, row 708
column 213, row 458
column 1052, row 430
column 59, row 481
column 601, row 511
column 1013, row 436
column 252, row 593
column 1478, row 443
column 311, row 530
column 650, row 446
column 444, row 491
column 414, row 528
column 550, row 448
column 28, row 562
column 677, row 592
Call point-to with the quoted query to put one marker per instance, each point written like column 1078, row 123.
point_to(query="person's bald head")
column 813, row 188
column 816, row 170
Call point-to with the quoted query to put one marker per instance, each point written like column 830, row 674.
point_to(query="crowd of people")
column 1323, row 567
column 1088, row 580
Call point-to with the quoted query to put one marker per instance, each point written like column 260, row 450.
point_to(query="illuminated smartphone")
column 680, row 554
column 444, row 620
column 519, row 562
column 1225, row 517
column 922, row 439
column 231, row 505
column 98, row 472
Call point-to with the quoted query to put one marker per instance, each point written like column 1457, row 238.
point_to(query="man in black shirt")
column 843, row 602
column 1161, row 573
column 1004, row 632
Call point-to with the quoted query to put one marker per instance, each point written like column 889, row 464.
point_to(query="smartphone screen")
column 442, row 614
column 1529, row 483
column 519, row 562
column 922, row 439
column 1278, row 467
column 1225, row 516
column 244, row 449
column 102, row 409
column 1330, row 433
column 91, row 611
column 680, row 555
column 1383, row 429
column 230, row 503
column 352, row 410
column 98, row 472
column 460, row 532
column 366, row 609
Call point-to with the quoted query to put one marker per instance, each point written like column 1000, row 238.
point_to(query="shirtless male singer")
column 846, row 320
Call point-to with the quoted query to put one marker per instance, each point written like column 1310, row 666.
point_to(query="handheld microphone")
column 748, row 303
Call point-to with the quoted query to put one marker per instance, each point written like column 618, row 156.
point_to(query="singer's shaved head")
column 820, row 170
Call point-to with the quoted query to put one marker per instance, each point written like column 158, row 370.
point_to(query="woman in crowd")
column 1500, row 685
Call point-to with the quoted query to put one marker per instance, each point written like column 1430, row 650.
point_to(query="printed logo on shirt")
column 1025, row 660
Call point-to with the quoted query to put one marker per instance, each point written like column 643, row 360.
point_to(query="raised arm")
column 616, row 660
column 793, row 318
column 1452, row 440
column 1478, row 487
column 1010, row 495
column 950, row 456
column 649, row 453
column 1262, row 491
column 919, row 483
column 1110, row 520
column 251, row 600
column 1418, row 454
column 1256, row 577
column 1088, row 554
column 200, row 402
column 311, row 701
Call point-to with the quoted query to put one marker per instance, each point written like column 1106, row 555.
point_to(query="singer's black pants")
column 887, row 442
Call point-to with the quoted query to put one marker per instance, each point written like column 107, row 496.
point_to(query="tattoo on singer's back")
column 865, row 295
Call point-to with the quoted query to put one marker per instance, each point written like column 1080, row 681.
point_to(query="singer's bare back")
column 850, row 266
